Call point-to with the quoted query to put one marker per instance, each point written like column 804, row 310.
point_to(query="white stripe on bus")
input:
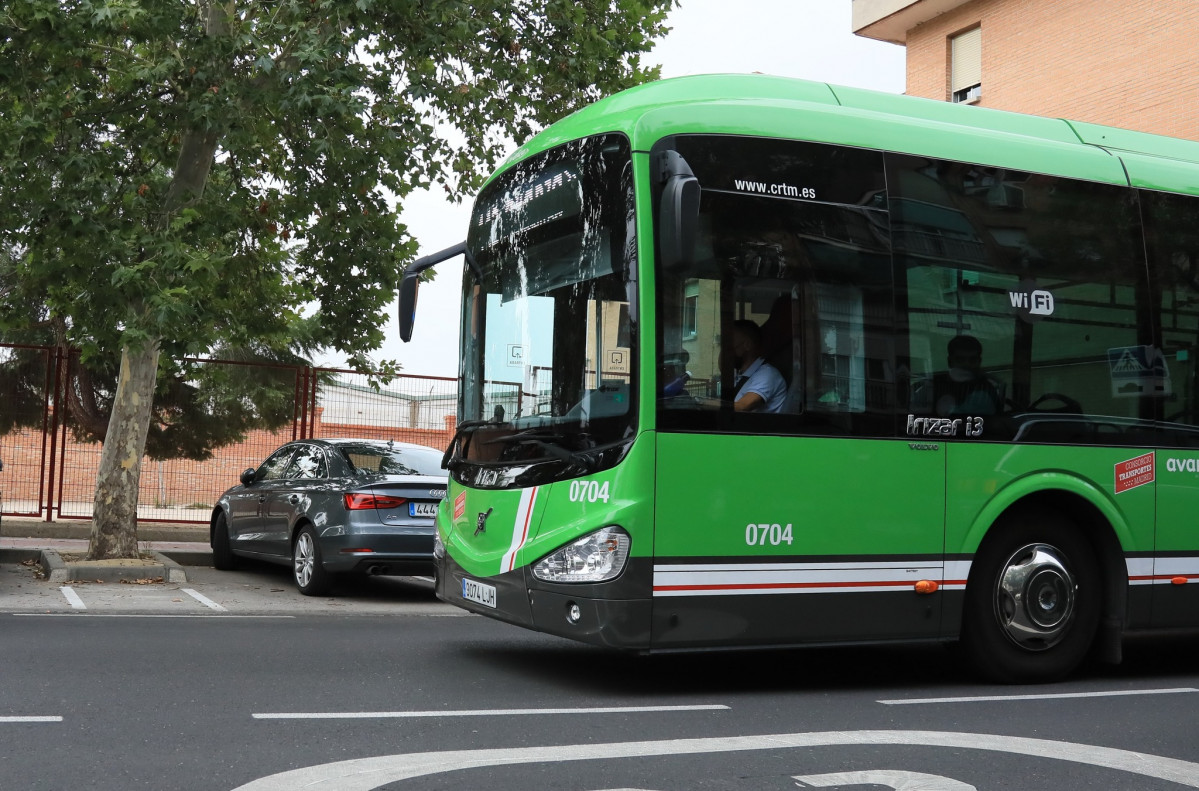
column 793, row 578
column 520, row 527
column 1162, row 570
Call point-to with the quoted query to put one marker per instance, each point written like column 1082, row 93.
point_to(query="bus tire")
column 1033, row 600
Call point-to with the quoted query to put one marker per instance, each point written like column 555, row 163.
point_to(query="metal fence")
column 48, row 474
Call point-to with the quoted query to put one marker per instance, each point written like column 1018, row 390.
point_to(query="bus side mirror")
column 408, row 304
column 411, row 278
column 679, row 217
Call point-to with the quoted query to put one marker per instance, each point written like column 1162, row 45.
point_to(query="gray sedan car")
column 325, row 506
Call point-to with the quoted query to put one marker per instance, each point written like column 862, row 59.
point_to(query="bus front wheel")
column 1032, row 600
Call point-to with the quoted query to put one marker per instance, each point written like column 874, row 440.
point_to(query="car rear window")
column 393, row 461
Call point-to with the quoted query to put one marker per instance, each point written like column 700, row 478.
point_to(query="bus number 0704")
column 761, row 535
column 588, row 491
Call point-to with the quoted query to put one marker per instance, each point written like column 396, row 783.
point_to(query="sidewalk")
column 186, row 543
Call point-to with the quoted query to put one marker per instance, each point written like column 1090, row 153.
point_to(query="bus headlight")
column 596, row 557
column 438, row 547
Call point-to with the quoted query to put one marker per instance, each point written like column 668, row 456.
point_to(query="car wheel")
column 222, row 554
column 307, row 569
column 1032, row 601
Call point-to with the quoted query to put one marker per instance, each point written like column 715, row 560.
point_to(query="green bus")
column 980, row 421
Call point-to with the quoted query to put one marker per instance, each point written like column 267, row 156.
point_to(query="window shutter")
column 967, row 60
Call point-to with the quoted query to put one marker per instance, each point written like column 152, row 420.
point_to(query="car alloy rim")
column 304, row 558
column 1034, row 597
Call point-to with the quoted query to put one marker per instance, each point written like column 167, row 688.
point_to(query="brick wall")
column 170, row 490
column 1126, row 63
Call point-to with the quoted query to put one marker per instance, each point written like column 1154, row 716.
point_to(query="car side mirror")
column 247, row 476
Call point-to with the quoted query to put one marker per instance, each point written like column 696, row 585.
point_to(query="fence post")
column 55, row 402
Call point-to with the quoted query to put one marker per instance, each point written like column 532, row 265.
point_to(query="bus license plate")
column 422, row 509
column 478, row 592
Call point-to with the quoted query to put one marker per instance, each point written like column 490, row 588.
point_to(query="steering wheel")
column 1068, row 404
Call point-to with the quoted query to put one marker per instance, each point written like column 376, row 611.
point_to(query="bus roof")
column 762, row 105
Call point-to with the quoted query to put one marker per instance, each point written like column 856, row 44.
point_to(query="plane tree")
column 178, row 177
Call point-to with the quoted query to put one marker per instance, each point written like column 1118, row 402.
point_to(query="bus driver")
column 758, row 386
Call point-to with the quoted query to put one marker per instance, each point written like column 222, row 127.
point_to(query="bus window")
column 1173, row 244
column 1026, row 302
column 793, row 238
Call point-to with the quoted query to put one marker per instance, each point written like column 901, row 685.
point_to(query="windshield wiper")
column 449, row 459
column 540, row 438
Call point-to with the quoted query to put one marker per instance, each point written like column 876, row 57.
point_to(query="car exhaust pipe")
column 373, row 571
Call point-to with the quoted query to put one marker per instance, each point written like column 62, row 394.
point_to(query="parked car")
column 327, row 506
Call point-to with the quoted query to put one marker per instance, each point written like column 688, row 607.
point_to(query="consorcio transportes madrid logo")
column 1134, row 472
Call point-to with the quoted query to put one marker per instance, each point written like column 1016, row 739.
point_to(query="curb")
column 16, row 527
column 59, row 571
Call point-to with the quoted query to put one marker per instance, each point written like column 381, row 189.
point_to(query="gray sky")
column 809, row 39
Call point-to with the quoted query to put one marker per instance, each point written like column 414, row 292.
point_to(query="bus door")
column 791, row 505
column 806, row 519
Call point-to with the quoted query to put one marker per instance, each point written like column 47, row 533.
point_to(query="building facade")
column 1126, row 63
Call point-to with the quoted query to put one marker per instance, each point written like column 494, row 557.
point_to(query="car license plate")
column 478, row 592
column 422, row 509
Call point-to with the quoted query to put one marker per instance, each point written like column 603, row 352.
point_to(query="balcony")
column 890, row 20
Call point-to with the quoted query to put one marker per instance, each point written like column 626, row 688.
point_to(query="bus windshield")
column 548, row 342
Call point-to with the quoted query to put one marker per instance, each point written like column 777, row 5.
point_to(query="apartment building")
column 1127, row 63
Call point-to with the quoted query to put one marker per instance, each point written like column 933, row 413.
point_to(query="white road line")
column 365, row 774
column 1048, row 696
column 73, row 597
column 30, row 719
column 138, row 615
column 207, row 602
column 365, row 715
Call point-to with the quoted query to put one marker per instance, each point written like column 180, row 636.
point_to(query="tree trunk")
column 114, row 511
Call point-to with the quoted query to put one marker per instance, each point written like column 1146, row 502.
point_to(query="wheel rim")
column 1034, row 597
column 305, row 558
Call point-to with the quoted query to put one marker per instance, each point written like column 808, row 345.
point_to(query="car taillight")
column 357, row 501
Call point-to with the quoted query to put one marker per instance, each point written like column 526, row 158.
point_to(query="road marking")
column 139, row 615
column 30, row 719
column 73, row 597
column 366, row 715
column 207, row 602
column 1046, row 696
column 887, row 778
column 366, row 774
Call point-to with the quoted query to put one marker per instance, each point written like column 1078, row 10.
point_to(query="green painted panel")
column 985, row 479
column 555, row 514
column 798, row 109
column 1157, row 173
column 1177, row 500
column 1122, row 140
column 839, row 496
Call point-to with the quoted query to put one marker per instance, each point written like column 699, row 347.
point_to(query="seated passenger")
column 965, row 389
column 758, row 386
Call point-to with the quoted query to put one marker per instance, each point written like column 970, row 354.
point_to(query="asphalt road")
column 383, row 687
